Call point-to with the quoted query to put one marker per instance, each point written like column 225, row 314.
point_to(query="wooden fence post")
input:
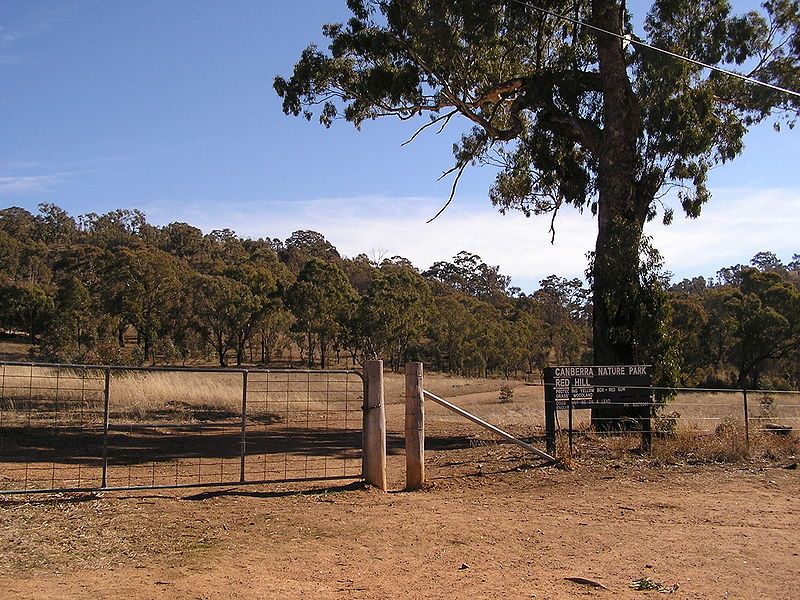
column 374, row 450
column 415, row 427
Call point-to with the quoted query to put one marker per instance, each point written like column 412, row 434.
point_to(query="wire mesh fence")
column 715, row 424
column 65, row 427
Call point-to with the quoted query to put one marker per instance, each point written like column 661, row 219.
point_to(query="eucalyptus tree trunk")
column 621, row 209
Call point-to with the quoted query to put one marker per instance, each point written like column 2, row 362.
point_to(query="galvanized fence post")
column 106, row 396
column 243, row 451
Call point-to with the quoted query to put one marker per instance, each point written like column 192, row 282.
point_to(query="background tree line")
column 113, row 288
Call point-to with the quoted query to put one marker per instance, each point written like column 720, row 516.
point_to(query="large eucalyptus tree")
column 570, row 114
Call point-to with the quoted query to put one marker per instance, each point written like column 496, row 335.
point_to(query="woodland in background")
column 114, row 289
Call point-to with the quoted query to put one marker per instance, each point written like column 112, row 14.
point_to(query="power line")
column 634, row 40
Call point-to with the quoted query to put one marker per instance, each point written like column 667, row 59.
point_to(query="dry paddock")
column 491, row 525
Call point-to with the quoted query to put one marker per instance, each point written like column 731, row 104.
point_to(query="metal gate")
column 90, row 428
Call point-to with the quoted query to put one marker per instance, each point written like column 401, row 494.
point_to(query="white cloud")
column 521, row 246
column 397, row 226
column 7, row 59
column 34, row 24
column 37, row 22
column 733, row 227
column 26, row 184
column 14, row 165
column 13, row 182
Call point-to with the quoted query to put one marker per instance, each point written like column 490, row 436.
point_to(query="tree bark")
column 221, row 349
column 621, row 211
column 147, row 343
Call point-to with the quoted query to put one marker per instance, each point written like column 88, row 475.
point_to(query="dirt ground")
column 493, row 523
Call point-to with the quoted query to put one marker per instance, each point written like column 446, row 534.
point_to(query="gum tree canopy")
column 568, row 114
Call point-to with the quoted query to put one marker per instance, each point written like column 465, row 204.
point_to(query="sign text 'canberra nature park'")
column 599, row 384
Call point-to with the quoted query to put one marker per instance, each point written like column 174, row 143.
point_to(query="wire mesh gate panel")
column 303, row 426
column 67, row 428
column 51, row 427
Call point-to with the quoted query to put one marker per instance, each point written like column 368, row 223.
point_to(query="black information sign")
column 593, row 386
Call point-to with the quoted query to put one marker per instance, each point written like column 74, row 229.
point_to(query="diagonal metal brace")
column 489, row 426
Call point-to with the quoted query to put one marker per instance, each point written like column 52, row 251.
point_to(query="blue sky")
column 168, row 107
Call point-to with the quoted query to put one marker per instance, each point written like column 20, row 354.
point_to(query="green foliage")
column 142, row 286
column 304, row 245
column 666, row 424
column 184, row 296
column 26, row 307
column 569, row 117
column 391, row 315
column 766, row 315
column 647, row 584
column 735, row 333
column 221, row 307
column 73, row 329
column 469, row 275
column 320, row 300
column 182, row 240
column 639, row 318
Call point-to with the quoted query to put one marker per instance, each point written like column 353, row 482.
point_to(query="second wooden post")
column 415, row 427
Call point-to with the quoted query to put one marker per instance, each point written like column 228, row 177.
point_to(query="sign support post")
column 570, row 417
column 550, row 417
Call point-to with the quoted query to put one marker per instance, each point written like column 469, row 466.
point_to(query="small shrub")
column 666, row 425
column 767, row 404
column 506, row 393
column 137, row 357
column 105, row 353
column 728, row 427
column 565, row 457
column 730, row 443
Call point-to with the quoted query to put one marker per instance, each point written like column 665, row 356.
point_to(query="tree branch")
column 444, row 118
column 460, row 168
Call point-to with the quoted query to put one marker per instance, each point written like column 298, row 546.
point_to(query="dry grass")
column 707, row 410
column 86, row 532
column 39, row 392
column 443, row 385
column 728, row 443
column 14, row 350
